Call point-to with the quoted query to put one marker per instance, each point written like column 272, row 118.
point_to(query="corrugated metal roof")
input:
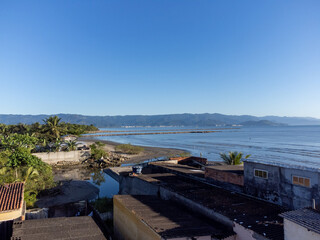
column 11, row 196
column 308, row 218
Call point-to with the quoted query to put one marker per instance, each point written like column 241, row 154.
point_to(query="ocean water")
column 299, row 145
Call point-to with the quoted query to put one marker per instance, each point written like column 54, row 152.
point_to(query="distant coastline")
column 186, row 120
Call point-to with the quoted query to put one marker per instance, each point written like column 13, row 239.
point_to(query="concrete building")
column 63, row 228
column 285, row 184
column 302, row 224
column 68, row 138
column 249, row 218
column 149, row 217
column 227, row 176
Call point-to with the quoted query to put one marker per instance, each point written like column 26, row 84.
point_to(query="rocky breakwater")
column 113, row 160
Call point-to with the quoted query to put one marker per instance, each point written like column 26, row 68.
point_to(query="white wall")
column 54, row 157
column 293, row 231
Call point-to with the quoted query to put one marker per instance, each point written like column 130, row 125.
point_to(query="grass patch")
column 128, row 149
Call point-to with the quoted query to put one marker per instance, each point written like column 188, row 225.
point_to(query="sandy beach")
column 148, row 153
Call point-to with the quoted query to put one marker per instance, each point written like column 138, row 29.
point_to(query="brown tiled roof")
column 11, row 196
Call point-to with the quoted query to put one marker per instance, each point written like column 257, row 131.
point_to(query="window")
column 260, row 173
column 302, row 181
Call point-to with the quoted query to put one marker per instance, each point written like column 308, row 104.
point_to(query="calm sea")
column 294, row 144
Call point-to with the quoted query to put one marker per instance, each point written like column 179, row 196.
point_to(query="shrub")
column 20, row 165
column 129, row 149
column 22, row 157
column 97, row 152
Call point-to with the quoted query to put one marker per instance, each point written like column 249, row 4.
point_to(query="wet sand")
column 148, row 153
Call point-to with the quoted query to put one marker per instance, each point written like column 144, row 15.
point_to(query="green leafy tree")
column 53, row 127
column 15, row 140
column 22, row 157
column 97, row 151
column 4, row 130
column 233, row 158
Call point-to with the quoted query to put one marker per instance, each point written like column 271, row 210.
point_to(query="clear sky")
column 107, row 57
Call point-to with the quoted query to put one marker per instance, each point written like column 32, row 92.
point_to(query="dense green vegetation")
column 233, row 158
column 129, row 149
column 18, row 142
column 97, row 151
column 17, row 164
column 51, row 130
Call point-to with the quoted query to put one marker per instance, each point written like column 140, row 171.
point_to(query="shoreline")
column 148, row 152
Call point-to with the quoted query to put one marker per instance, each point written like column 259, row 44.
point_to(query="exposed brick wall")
column 224, row 176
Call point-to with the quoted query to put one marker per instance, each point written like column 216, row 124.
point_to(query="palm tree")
column 29, row 173
column 53, row 127
column 233, row 158
column 71, row 145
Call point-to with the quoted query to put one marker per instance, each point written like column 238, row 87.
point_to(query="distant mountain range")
column 205, row 119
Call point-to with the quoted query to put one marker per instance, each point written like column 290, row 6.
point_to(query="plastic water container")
column 137, row 169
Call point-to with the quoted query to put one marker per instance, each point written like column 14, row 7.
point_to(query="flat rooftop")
column 170, row 220
column 81, row 228
column 179, row 168
column 228, row 168
column 260, row 216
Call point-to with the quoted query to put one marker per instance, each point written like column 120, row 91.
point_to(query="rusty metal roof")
column 11, row 196
column 307, row 217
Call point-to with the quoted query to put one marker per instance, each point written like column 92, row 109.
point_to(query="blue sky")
column 160, row 56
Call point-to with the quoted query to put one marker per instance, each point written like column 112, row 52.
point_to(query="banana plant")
column 26, row 174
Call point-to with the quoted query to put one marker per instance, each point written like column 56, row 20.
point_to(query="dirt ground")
column 148, row 153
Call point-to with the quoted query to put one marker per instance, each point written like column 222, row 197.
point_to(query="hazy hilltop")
column 186, row 119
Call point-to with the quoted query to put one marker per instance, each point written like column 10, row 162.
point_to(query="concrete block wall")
column 222, row 176
column 55, row 157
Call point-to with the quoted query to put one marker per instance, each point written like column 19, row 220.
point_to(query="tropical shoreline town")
column 161, row 193
column 159, row 120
